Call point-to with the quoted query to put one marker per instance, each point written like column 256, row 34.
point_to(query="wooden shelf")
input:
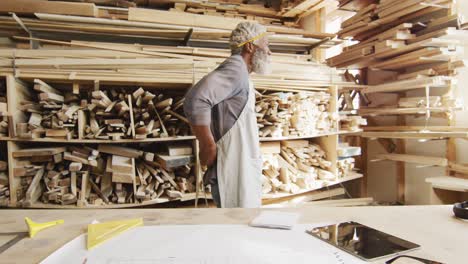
column 186, row 197
column 424, row 160
column 405, row 111
column 449, row 183
column 266, row 139
column 319, row 185
column 405, row 85
column 99, row 141
column 415, row 128
column 415, row 134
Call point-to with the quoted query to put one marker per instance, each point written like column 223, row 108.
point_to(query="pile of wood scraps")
column 346, row 162
column 293, row 166
column 352, row 123
column 107, row 174
column 294, row 114
column 101, row 113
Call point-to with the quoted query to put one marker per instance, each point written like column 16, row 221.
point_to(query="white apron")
column 239, row 163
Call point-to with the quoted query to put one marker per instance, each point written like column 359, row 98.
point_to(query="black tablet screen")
column 361, row 241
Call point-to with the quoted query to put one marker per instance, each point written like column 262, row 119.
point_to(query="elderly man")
column 221, row 110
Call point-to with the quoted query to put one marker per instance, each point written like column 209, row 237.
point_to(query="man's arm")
column 207, row 144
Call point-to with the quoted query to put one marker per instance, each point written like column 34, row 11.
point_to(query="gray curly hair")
column 243, row 32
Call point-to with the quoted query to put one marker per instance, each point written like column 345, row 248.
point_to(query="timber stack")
column 78, row 80
column 409, row 51
column 409, row 45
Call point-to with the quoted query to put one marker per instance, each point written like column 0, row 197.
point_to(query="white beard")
column 261, row 62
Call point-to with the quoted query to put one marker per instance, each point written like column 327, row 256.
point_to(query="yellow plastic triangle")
column 98, row 233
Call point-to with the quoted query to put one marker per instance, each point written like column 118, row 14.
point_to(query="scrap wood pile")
column 95, row 113
column 346, row 162
column 294, row 166
column 294, row 114
column 106, row 174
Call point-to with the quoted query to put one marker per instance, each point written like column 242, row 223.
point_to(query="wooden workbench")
column 442, row 236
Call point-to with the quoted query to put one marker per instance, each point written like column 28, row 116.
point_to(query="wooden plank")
column 81, row 124
column 168, row 162
column 344, row 202
column 431, row 161
column 176, row 150
column 123, row 177
column 405, row 111
column 121, row 151
column 30, row 152
column 35, row 189
column 182, row 19
column 36, row 6
column 415, row 134
column 416, row 128
column 84, row 185
column 122, row 164
column 132, row 122
column 401, row 170
column 436, row 81
column 449, row 183
column 270, row 147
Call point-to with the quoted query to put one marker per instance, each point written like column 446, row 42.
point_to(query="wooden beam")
column 34, row 6
column 425, row 160
column 415, row 134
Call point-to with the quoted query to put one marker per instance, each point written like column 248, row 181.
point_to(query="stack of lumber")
column 406, row 36
column 294, row 114
column 345, row 167
column 166, row 66
column 232, row 9
column 293, row 166
column 405, row 45
column 4, row 186
column 107, row 174
column 150, row 24
column 94, row 113
column 265, row 12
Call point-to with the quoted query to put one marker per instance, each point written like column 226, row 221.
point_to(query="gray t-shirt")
column 218, row 99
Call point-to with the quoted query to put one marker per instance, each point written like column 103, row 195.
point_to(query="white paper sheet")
column 204, row 244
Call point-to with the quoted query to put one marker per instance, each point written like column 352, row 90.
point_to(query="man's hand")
column 207, row 144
